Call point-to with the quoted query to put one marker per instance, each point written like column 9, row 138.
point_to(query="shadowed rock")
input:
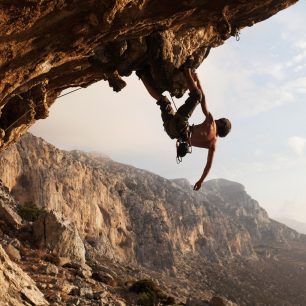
column 46, row 47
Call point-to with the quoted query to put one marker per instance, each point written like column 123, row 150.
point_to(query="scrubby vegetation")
column 150, row 294
column 29, row 211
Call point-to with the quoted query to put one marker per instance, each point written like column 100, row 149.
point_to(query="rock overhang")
column 46, row 47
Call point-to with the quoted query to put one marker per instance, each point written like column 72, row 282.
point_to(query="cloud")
column 289, row 21
column 245, row 80
column 243, row 95
column 297, row 144
column 301, row 44
column 297, row 59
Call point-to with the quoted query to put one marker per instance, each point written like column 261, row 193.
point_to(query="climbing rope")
column 17, row 120
column 173, row 103
column 68, row 93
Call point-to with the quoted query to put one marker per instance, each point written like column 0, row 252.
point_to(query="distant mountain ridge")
column 132, row 215
column 298, row 226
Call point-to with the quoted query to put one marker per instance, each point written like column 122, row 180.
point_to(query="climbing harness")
column 17, row 120
column 184, row 145
column 179, row 159
column 180, row 143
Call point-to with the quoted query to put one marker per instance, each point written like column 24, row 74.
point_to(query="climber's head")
column 182, row 149
column 223, row 127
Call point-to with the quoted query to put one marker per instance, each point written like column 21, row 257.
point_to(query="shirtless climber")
column 176, row 125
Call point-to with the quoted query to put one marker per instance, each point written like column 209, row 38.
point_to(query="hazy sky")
column 258, row 82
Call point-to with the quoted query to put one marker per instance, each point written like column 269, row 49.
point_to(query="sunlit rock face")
column 132, row 215
column 57, row 234
column 47, row 46
column 17, row 288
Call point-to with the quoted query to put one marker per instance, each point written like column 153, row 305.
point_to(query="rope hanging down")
column 31, row 109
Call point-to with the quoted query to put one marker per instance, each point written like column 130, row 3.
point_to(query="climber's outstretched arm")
column 210, row 157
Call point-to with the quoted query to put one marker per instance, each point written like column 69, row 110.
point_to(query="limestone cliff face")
column 47, row 46
column 133, row 215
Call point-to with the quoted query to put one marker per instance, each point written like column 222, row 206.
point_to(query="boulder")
column 13, row 253
column 81, row 270
column 50, row 269
column 103, row 277
column 59, row 235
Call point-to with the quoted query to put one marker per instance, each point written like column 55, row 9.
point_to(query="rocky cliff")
column 47, row 46
column 216, row 240
column 133, row 215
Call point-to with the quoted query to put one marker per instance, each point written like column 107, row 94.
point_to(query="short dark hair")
column 223, row 127
column 182, row 149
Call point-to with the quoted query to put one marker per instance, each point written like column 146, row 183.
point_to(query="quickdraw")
column 237, row 35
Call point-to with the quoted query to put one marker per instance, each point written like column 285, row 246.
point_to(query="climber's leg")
column 148, row 82
column 194, row 98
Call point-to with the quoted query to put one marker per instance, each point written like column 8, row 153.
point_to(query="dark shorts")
column 176, row 124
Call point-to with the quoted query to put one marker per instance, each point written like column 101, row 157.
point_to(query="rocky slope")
column 217, row 239
column 17, row 288
column 47, row 46
column 133, row 215
column 32, row 274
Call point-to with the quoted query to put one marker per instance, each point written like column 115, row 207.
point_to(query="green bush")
column 150, row 294
column 166, row 300
column 29, row 211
